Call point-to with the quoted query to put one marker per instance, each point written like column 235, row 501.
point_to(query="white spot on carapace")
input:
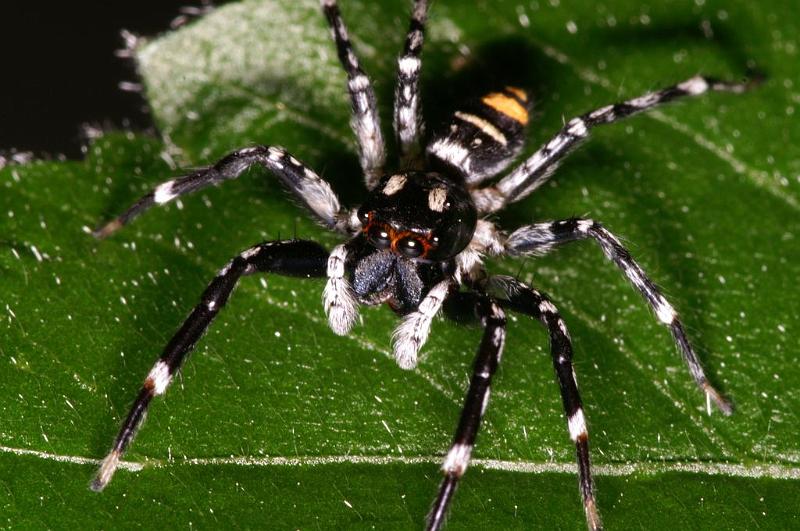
column 648, row 100
column 394, row 184
column 437, row 199
column 224, row 271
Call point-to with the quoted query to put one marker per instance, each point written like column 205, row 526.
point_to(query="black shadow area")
column 59, row 69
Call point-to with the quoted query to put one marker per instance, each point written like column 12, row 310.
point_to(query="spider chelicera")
column 418, row 241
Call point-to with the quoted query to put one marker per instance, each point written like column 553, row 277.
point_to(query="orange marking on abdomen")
column 518, row 92
column 506, row 105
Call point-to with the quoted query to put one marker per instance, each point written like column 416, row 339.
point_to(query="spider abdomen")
column 484, row 137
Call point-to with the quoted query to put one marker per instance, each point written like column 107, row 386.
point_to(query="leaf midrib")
column 700, row 467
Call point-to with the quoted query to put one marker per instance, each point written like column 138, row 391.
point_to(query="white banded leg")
column 541, row 237
column 294, row 258
column 338, row 299
column 365, row 120
column 303, row 182
column 413, row 330
column 532, row 173
column 486, row 362
column 409, row 126
column 527, row 300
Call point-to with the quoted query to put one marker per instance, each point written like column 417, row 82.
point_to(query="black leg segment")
column 487, row 360
column 298, row 178
column 521, row 298
column 297, row 258
column 409, row 126
column 540, row 238
column 365, row 122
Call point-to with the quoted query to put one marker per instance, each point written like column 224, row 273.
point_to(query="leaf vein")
column 753, row 471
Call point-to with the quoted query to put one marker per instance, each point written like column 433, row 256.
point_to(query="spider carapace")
column 414, row 225
column 419, row 239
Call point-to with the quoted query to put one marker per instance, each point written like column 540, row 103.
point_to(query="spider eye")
column 379, row 237
column 410, row 247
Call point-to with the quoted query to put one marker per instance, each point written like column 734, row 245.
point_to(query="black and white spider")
column 418, row 241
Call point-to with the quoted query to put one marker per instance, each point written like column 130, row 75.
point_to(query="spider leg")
column 365, row 121
column 542, row 237
column 532, row 173
column 413, row 330
column 409, row 126
column 306, row 185
column 340, row 303
column 528, row 301
column 297, row 258
column 486, row 362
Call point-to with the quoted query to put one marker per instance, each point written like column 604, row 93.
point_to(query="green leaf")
column 279, row 423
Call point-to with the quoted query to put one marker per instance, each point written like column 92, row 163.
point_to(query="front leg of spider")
column 487, row 360
column 297, row 258
column 315, row 193
column 526, row 300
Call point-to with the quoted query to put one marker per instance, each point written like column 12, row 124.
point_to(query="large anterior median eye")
column 379, row 237
column 410, row 247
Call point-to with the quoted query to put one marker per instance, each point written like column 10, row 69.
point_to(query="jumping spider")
column 418, row 240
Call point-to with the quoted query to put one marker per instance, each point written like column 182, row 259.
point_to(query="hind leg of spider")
column 298, row 178
column 540, row 238
column 518, row 297
column 532, row 173
column 486, row 362
column 297, row 258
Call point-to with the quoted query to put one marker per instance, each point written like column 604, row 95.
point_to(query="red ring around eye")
column 411, row 244
column 379, row 236
column 410, row 247
column 407, row 243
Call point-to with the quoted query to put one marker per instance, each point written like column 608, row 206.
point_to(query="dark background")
column 58, row 69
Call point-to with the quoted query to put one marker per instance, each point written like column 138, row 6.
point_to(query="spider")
column 418, row 241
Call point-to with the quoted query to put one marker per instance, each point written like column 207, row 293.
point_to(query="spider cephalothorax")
column 426, row 216
column 413, row 225
column 419, row 238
